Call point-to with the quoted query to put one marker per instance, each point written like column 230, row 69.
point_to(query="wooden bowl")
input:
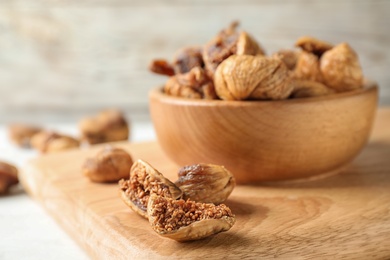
column 266, row 140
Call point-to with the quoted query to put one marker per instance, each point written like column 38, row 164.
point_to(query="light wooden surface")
column 62, row 59
column 266, row 140
column 346, row 216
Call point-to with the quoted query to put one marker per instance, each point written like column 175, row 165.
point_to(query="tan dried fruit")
column 21, row 134
column 207, row 183
column 307, row 88
column 107, row 126
column 246, row 44
column 143, row 181
column 161, row 67
column 194, row 84
column 109, row 165
column 186, row 59
column 308, row 67
column 243, row 77
column 8, row 177
column 341, row 69
column 289, row 57
column 313, row 45
column 187, row 220
column 48, row 142
column 227, row 43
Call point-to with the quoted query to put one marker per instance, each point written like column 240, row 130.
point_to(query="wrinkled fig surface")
column 109, row 165
column 143, row 181
column 242, row 77
column 206, row 183
column 341, row 69
column 187, row 220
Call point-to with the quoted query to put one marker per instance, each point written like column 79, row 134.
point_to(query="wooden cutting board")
column 345, row 216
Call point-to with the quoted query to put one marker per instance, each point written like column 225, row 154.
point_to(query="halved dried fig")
column 193, row 84
column 143, row 181
column 187, row 220
column 207, row 183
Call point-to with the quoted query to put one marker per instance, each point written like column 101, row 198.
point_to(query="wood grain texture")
column 61, row 59
column 266, row 140
column 346, row 216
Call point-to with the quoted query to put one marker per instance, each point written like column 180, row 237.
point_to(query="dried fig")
column 48, row 142
column 161, row 67
column 307, row 67
column 243, row 77
column 107, row 126
column 307, row 88
column 143, row 181
column 227, row 43
column 21, row 134
column 187, row 220
column 289, row 57
column 206, row 183
column 341, row 69
column 186, row 59
column 109, row 165
column 313, row 45
column 194, row 84
column 8, row 177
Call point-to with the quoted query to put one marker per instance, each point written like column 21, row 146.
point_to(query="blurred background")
column 63, row 59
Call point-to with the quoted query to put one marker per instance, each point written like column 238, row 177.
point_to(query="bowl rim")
column 368, row 86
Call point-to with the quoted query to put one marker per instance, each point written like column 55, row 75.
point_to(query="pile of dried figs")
column 233, row 66
column 188, row 209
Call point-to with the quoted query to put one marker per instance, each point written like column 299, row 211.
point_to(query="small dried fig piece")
column 107, row 126
column 186, row 59
column 143, row 181
column 227, row 43
column 241, row 77
column 307, row 67
column 194, row 84
column 341, row 69
column 307, row 88
column 207, row 183
column 162, row 67
column 48, row 142
column 247, row 45
column 109, row 165
column 21, row 134
column 187, row 220
column 313, row 45
column 8, row 177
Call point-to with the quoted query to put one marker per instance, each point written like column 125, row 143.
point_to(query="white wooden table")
column 26, row 230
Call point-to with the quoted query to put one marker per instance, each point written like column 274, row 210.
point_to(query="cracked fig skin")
column 144, row 180
column 182, row 220
column 206, row 183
